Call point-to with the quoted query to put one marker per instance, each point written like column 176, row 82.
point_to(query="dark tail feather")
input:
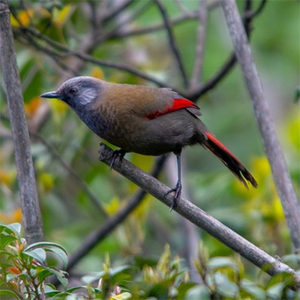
column 229, row 160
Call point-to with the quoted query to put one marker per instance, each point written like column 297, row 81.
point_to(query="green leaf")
column 75, row 288
column 293, row 260
column 14, row 228
column 251, row 289
column 38, row 254
column 6, row 239
column 119, row 274
column 160, row 290
column 224, row 286
column 62, row 254
column 184, row 288
column 117, row 270
column 20, row 276
column 54, row 248
column 275, row 291
column 217, row 263
column 50, row 290
column 123, row 296
column 8, row 293
column 42, row 273
column 10, row 255
column 45, row 245
column 60, row 275
column 198, row 292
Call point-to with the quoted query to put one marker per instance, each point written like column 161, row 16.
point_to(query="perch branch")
column 200, row 218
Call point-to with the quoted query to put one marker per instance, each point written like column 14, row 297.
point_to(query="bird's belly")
column 139, row 143
column 153, row 137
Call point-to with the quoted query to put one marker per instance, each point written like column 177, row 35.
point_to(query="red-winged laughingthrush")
column 145, row 120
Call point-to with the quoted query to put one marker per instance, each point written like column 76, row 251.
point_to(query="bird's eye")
column 73, row 91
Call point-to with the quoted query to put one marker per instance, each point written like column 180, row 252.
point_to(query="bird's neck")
column 93, row 119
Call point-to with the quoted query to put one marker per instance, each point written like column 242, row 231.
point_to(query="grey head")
column 81, row 94
column 78, row 92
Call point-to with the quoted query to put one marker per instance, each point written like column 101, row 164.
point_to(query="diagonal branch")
column 200, row 218
column 97, row 205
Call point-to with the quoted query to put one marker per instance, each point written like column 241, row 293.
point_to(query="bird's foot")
column 117, row 153
column 177, row 193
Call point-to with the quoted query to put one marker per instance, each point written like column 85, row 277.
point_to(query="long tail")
column 228, row 159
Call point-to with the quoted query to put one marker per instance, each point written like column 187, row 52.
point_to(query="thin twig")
column 110, row 14
column 183, row 9
column 200, row 218
column 114, row 32
column 200, row 46
column 82, row 184
column 173, row 45
column 56, row 155
column 87, row 58
column 230, row 62
column 175, row 21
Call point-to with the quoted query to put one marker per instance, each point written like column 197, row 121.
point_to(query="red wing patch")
column 177, row 104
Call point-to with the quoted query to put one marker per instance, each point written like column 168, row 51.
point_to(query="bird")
column 146, row 120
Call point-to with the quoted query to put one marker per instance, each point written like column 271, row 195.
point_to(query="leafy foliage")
column 24, row 269
column 24, row 273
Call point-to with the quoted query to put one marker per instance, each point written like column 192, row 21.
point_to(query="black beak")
column 51, row 95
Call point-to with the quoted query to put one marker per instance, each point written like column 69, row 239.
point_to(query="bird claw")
column 177, row 193
column 117, row 153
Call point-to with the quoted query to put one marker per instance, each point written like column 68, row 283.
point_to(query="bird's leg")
column 178, row 187
column 117, row 153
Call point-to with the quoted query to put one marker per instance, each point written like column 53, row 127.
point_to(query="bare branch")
column 121, row 25
column 248, row 16
column 200, row 218
column 200, row 46
column 117, row 9
column 26, row 178
column 87, row 58
column 176, row 20
column 265, row 123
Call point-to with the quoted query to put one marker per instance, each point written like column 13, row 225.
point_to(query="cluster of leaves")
column 224, row 278
column 25, row 269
